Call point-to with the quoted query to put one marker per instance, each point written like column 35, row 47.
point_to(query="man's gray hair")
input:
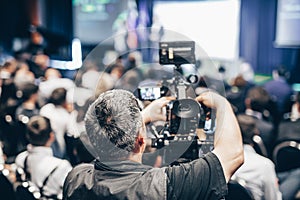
column 112, row 123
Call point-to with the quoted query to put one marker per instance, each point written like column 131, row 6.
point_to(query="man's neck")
column 136, row 157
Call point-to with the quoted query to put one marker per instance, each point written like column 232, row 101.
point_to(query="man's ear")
column 139, row 144
column 141, row 140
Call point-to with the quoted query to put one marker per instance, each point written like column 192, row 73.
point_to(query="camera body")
column 177, row 53
column 184, row 115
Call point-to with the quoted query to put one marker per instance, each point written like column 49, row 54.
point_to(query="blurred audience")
column 280, row 90
column 29, row 87
column 247, row 71
column 56, row 110
column 29, row 106
column 236, row 93
column 8, row 69
column 37, row 43
column 256, row 103
column 105, row 82
column 257, row 172
column 133, row 63
column 91, row 76
column 23, row 76
column 53, row 80
column 116, row 71
column 295, row 111
column 290, row 128
column 27, row 109
column 129, row 81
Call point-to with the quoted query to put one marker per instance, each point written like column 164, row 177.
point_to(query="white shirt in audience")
column 259, row 175
column 40, row 163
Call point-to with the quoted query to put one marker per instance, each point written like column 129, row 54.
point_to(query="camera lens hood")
column 186, row 108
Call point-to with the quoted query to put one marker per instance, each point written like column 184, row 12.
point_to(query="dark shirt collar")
column 121, row 166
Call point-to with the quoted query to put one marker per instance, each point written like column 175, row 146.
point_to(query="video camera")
column 184, row 115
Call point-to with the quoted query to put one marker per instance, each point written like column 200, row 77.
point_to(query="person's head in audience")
column 129, row 81
column 58, row 97
column 116, row 71
column 239, row 81
column 41, row 60
column 281, row 72
column 248, row 128
column 8, row 69
column 39, row 132
column 257, row 99
column 30, row 92
column 105, row 83
column 295, row 112
column 52, row 73
column 23, row 77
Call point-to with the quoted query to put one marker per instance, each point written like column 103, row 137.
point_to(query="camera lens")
column 186, row 108
column 183, row 107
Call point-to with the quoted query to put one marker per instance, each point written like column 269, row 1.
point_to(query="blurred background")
column 264, row 34
column 57, row 56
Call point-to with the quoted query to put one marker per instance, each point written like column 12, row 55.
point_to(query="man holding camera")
column 116, row 129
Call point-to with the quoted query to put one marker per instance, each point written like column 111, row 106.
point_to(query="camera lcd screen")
column 149, row 93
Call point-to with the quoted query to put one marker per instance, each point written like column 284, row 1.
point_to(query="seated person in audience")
column 23, row 75
column 90, row 76
column 24, row 112
column 280, row 90
column 295, row 110
column 116, row 129
column 53, row 80
column 258, row 172
column 290, row 129
column 8, row 69
column 29, row 106
column 289, row 184
column 58, row 114
column 38, row 160
column 236, row 94
column 256, row 103
column 116, row 71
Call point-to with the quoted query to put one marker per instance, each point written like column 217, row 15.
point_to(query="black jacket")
column 200, row 179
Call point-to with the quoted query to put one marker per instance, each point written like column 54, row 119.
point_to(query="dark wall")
column 58, row 17
column 257, row 36
column 16, row 16
column 14, row 22
column 57, row 28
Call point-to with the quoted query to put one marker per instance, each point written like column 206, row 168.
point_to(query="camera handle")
column 180, row 84
column 164, row 138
